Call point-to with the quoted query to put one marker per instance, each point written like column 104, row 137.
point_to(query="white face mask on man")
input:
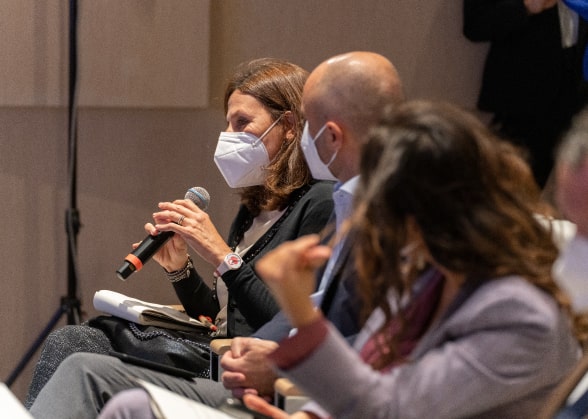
column 318, row 169
column 242, row 157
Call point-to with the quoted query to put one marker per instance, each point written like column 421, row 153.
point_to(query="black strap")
column 269, row 235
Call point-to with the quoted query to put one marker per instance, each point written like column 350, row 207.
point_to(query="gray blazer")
column 498, row 355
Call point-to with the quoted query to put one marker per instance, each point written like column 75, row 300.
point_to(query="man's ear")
column 334, row 135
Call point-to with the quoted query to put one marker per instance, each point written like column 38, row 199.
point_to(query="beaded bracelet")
column 180, row 274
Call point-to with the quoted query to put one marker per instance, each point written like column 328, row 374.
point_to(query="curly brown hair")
column 440, row 166
column 277, row 84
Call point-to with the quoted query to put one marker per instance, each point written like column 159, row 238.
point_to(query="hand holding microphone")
column 135, row 260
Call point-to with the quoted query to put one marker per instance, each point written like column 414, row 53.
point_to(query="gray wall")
column 150, row 87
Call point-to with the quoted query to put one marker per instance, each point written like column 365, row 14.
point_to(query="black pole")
column 70, row 304
column 72, row 216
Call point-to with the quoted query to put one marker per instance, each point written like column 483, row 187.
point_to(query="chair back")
column 570, row 398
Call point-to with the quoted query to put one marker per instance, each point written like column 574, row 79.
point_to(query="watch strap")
column 231, row 262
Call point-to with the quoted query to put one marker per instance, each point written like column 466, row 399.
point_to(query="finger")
column 305, row 242
column 289, row 253
column 179, row 205
column 150, row 228
column 229, row 362
column 252, row 391
column 170, row 221
column 316, row 256
column 170, row 215
column 238, row 392
column 238, row 347
column 233, row 379
column 189, row 204
column 171, row 226
column 258, row 404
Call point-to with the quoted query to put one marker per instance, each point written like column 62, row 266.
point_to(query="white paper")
column 142, row 312
column 168, row 405
column 10, row 406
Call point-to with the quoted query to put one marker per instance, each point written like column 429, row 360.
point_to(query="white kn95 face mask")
column 242, row 157
column 318, row 169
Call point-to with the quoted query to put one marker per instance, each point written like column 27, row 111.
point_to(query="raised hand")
column 288, row 270
column 184, row 218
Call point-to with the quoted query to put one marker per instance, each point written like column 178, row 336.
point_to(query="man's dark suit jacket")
column 340, row 303
column 527, row 70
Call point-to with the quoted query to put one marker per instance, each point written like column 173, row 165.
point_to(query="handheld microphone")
column 138, row 257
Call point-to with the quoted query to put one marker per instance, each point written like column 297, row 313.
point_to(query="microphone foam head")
column 199, row 196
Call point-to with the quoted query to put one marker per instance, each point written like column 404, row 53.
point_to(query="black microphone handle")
column 135, row 260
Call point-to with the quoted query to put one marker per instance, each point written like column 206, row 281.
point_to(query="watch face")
column 234, row 261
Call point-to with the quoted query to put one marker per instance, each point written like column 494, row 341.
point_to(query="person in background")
column 580, row 7
column 532, row 81
column 342, row 98
column 491, row 336
column 571, row 180
column 260, row 156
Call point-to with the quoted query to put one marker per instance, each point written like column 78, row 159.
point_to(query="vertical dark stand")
column 70, row 304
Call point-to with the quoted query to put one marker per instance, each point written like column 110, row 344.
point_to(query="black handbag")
column 181, row 349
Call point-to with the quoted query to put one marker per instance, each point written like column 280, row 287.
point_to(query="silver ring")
column 180, row 220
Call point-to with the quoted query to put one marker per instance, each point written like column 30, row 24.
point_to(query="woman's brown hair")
column 440, row 166
column 277, row 84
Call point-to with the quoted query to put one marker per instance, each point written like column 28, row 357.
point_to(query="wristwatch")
column 231, row 262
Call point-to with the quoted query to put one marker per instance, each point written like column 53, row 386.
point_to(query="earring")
column 412, row 258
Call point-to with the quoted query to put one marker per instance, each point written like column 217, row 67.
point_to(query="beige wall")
column 151, row 78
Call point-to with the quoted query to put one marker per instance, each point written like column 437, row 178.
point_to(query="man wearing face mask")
column 260, row 154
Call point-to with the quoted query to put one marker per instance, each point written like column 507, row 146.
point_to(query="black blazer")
column 527, row 71
column 250, row 303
